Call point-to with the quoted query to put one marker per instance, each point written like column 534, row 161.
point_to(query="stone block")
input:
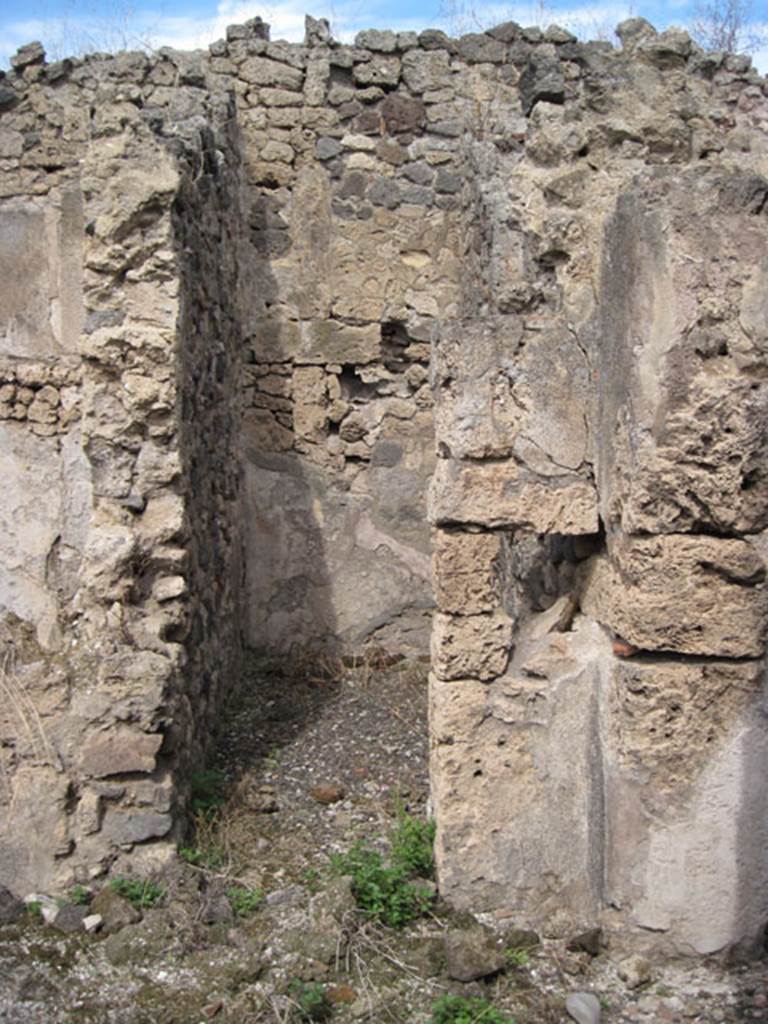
column 466, row 579
column 331, row 341
column 263, row 71
column 498, row 494
column 517, row 787
column 471, row 647
column 424, row 72
column 40, row 264
column 688, row 594
column 498, row 392
column 377, row 40
column 686, row 833
column 123, row 827
column 120, row 752
column 379, row 70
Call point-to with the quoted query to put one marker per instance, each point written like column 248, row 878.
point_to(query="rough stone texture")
column 472, row 953
column 252, row 300
column 688, row 594
column 99, row 720
column 687, row 743
column 600, row 427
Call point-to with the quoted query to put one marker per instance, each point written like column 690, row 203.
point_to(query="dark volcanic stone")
column 11, row 909
column 542, row 79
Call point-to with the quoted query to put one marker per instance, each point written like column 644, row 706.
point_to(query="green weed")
column 35, row 909
column 311, row 879
column 517, row 957
column 383, row 892
column 450, row 1009
column 80, row 896
column 244, row 901
column 210, row 857
column 412, row 845
column 206, row 792
column 141, row 892
column 311, row 1000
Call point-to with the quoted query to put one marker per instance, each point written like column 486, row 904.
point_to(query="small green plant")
column 517, row 957
column 244, row 901
column 450, row 1009
column 141, row 892
column 311, row 1000
column 80, row 896
column 35, row 909
column 311, row 879
column 210, row 857
column 412, row 845
column 383, row 892
column 206, row 792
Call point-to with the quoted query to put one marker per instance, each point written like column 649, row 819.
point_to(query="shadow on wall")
column 288, row 595
column 338, row 450
column 751, row 840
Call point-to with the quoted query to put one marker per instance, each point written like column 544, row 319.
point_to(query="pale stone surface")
column 465, row 571
column 693, row 595
column 522, row 749
column 40, row 270
column 690, row 733
column 501, row 494
column 470, row 646
column 502, row 391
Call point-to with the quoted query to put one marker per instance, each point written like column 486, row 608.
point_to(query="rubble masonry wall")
column 254, row 300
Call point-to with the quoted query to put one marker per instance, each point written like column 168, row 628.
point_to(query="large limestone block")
column 517, row 788
column 678, row 344
column 466, row 578
column 686, row 805
column 689, row 594
column 474, row 646
column 41, row 306
column 501, row 494
column 501, row 390
column 706, row 467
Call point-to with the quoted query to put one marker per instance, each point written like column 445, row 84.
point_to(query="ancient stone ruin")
column 255, row 302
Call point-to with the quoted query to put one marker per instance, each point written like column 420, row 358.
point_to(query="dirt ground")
column 312, row 758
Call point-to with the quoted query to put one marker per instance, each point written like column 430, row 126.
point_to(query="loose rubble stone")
column 70, row 918
column 584, row 1007
column 472, row 953
column 635, row 971
column 11, row 908
column 115, row 912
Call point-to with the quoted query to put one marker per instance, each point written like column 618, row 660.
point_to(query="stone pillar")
column 599, row 728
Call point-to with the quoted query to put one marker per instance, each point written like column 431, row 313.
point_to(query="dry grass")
column 23, row 711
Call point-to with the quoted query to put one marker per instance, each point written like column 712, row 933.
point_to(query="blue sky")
column 68, row 26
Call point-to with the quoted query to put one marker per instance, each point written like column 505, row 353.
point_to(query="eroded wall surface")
column 284, row 286
column 116, row 399
column 598, row 693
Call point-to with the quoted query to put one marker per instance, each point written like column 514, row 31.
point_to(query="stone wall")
column 284, row 286
column 119, row 365
column 598, row 692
